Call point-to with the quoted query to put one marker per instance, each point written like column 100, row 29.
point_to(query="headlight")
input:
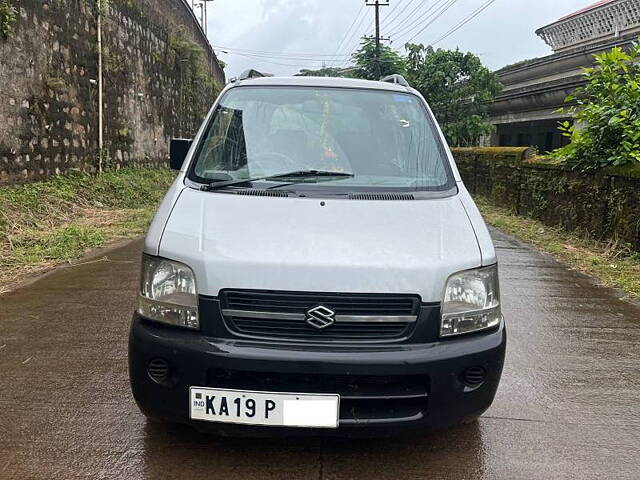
column 471, row 302
column 168, row 293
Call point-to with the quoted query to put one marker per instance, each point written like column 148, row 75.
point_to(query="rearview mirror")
column 178, row 152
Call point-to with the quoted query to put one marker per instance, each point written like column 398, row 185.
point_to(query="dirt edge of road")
column 92, row 255
column 609, row 264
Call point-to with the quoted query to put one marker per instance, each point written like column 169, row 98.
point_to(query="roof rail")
column 398, row 79
column 251, row 73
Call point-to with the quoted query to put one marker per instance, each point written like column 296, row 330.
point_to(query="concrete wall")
column 605, row 205
column 159, row 74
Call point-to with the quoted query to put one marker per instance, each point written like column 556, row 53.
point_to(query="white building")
column 526, row 112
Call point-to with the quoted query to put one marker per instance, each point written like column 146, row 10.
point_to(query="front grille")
column 298, row 329
column 363, row 398
column 353, row 304
column 284, row 315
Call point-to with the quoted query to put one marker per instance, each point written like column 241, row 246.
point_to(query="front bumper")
column 383, row 388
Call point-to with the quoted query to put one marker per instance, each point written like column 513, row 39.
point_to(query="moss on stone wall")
column 604, row 205
column 49, row 95
column 8, row 19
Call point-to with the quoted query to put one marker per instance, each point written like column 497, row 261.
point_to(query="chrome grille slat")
column 301, row 317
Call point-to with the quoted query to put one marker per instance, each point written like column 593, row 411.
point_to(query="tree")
column 365, row 61
column 606, row 131
column 458, row 88
column 322, row 72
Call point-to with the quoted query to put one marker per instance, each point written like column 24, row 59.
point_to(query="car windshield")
column 384, row 139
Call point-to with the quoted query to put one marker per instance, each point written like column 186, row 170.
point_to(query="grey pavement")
column 568, row 406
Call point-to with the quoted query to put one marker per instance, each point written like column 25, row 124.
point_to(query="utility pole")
column 377, row 4
column 101, row 6
column 200, row 5
column 206, row 27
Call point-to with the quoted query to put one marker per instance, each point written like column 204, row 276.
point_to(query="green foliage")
column 103, row 7
column 189, row 56
column 112, row 62
column 323, row 72
column 8, row 18
column 612, row 264
column 458, row 88
column 37, row 206
column 56, row 84
column 196, row 86
column 367, row 66
column 64, row 244
column 126, row 188
column 45, row 222
column 606, row 132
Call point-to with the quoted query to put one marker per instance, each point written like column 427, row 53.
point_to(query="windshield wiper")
column 296, row 174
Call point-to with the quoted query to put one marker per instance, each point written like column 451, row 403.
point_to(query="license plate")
column 264, row 408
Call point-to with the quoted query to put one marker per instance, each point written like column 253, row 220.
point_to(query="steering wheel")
column 275, row 162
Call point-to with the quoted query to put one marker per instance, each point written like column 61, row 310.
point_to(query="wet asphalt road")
column 568, row 405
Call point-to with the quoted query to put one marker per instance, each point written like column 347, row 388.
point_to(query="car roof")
column 322, row 82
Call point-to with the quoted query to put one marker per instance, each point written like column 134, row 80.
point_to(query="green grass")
column 45, row 223
column 613, row 265
column 66, row 243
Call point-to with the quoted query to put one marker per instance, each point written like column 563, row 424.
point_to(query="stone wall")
column 604, row 205
column 160, row 78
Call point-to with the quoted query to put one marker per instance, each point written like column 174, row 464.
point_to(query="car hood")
column 313, row 245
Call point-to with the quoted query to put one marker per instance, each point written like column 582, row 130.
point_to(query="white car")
column 317, row 266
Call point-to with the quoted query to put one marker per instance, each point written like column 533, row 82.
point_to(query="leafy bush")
column 8, row 18
column 606, row 131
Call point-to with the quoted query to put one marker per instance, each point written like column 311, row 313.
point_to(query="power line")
column 341, row 44
column 352, row 48
column 387, row 22
column 394, row 9
column 300, row 66
column 426, row 15
column 283, row 54
column 473, row 15
column 289, row 57
column 437, row 15
column 375, row 34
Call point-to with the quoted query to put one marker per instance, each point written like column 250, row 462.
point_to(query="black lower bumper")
column 382, row 388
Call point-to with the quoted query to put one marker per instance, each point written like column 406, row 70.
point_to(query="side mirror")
column 178, row 152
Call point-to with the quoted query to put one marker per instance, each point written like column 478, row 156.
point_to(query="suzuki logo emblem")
column 320, row 317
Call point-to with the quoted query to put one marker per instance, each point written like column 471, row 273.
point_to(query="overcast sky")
column 304, row 33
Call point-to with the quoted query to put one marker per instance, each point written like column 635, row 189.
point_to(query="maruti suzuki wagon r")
column 317, row 267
